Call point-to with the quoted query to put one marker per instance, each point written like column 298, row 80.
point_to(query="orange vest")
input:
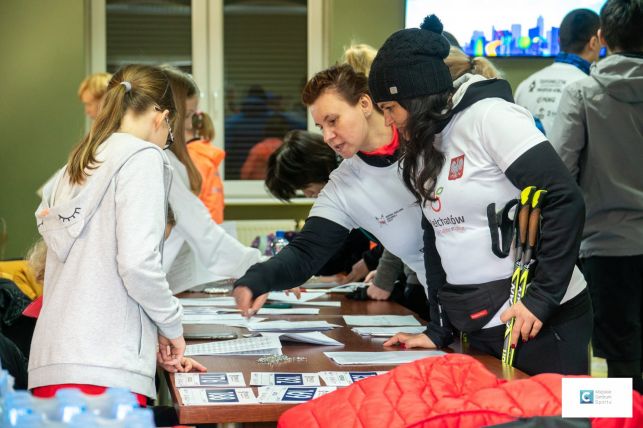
column 207, row 159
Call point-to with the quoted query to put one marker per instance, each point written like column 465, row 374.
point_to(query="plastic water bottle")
column 118, row 403
column 139, row 418
column 85, row 420
column 16, row 406
column 279, row 242
column 69, row 402
column 6, row 383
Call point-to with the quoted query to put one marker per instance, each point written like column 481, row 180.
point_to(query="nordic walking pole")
column 528, row 258
column 520, row 242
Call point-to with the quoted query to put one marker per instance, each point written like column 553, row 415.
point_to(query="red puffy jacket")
column 453, row 390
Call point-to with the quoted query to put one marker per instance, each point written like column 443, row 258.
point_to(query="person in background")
column 256, row 164
column 598, row 133
column 579, row 47
column 103, row 220
column 360, row 56
column 91, row 91
column 207, row 158
column 197, row 250
column 364, row 191
column 304, row 162
column 466, row 145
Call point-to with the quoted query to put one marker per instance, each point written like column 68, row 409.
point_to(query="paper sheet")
column 281, row 325
column 312, row 337
column 388, row 331
column 284, row 379
column 208, row 301
column 289, row 394
column 345, row 378
column 326, row 303
column 220, row 379
column 348, row 288
column 288, row 311
column 214, row 396
column 380, row 358
column 381, row 320
column 245, row 346
column 209, row 320
column 281, row 296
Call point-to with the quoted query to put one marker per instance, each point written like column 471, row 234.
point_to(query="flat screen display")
column 500, row 28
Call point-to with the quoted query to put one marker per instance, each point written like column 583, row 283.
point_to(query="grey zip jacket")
column 598, row 133
column 105, row 294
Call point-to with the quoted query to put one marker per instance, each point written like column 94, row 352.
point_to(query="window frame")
column 207, row 69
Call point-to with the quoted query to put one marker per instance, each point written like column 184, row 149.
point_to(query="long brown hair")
column 183, row 87
column 427, row 116
column 149, row 87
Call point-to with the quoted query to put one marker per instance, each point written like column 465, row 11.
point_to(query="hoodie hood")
column 621, row 76
column 471, row 88
column 61, row 223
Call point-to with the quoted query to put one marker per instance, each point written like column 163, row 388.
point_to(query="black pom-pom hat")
column 410, row 64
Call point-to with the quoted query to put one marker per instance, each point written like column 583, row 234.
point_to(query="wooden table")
column 315, row 361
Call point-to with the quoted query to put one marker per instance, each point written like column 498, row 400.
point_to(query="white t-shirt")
column 540, row 93
column 375, row 198
column 479, row 144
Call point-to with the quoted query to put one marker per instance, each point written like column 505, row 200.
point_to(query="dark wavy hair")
column 421, row 161
column 301, row 160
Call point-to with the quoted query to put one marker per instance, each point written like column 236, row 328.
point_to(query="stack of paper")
column 345, row 378
column 208, row 301
column 282, row 325
column 380, row 358
column 305, row 299
column 313, row 337
column 288, row 311
column 247, row 346
column 381, row 320
column 284, row 379
column 388, row 331
column 219, row 379
column 347, row 288
column 217, row 396
column 290, row 394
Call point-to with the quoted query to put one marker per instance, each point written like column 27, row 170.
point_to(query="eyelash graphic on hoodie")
column 64, row 219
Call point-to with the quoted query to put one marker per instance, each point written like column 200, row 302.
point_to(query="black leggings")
column 562, row 346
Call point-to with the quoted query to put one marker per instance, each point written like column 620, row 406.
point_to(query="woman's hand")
column 296, row 291
column 170, row 350
column 185, row 365
column 358, row 271
column 526, row 324
column 370, row 277
column 406, row 340
column 376, row 293
column 246, row 303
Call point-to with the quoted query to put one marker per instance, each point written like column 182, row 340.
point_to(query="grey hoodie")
column 598, row 133
column 105, row 294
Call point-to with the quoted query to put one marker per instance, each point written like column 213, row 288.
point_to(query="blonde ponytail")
column 460, row 63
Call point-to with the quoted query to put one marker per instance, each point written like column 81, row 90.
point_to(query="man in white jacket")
column 540, row 93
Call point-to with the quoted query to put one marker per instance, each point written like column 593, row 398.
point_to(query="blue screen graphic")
column 500, row 28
